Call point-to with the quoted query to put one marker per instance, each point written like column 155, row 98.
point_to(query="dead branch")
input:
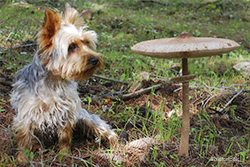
column 81, row 159
column 110, row 79
column 3, row 127
column 230, row 101
column 20, row 46
column 156, row 2
column 137, row 93
column 5, row 82
column 40, row 145
column 2, row 21
column 53, row 159
column 204, row 4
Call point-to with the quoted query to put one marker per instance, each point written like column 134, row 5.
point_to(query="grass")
column 120, row 25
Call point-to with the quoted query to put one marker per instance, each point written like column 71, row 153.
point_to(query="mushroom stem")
column 185, row 112
column 184, row 66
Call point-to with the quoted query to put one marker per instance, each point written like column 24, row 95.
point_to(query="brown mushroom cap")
column 185, row 46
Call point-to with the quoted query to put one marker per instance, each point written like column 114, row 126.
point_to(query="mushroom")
column 185, row 46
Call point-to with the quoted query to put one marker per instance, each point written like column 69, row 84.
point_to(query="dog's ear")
column 52, row 23
column 71, row 16
column 48, row 31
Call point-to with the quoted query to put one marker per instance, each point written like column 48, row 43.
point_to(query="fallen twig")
column 2, row 21
column 30, row 162
column 242, row 122
column 157, row 2
column 110, row 79
column 204, row 4
column 20, row 46
column 8, row 37
column 137, row 93
column 3, row 81
column 40, row 145
column 3, row 127
column 230, row 101
column 54, row 159
column 81, row 160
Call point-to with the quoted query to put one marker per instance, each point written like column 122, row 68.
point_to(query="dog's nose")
column 94, row 60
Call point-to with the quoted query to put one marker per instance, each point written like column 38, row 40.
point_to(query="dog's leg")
column 94, row 125
column 24, row 140
column 64, row 138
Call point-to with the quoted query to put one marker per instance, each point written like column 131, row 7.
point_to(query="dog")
column 44, row 94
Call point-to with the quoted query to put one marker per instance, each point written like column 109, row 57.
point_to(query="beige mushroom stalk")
column 185, row 46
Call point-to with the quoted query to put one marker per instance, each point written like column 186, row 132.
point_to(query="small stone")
column 243, row 68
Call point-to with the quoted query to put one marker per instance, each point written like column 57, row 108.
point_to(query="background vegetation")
column 219, row 136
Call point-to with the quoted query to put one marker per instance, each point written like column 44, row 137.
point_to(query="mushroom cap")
column 185, row 46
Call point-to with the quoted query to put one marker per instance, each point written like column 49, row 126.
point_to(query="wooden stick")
column 230, row 101
column 15, row 47
column 110, row 79
column 137, row 93
column 3, row 81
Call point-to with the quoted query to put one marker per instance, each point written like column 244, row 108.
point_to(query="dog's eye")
column 72, row 47
column 86, row 42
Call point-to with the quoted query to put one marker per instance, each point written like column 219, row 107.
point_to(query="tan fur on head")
column 77, row 65
column 71, row 16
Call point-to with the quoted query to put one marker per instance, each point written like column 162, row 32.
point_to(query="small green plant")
column 85, row 163
column 29, row 154
column 154, row 152
column 175, row 157
column 230, row 146
column 1, row 108
column 243, row 155
column 232, row 111
column 60, row 156
column 161, row 164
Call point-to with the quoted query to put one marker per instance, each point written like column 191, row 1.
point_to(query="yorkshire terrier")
column 45, row 95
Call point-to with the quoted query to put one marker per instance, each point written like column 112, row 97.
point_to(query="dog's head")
column 65, row 47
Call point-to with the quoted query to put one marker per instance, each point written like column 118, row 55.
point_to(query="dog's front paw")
column 65, row 150
column 113, row 138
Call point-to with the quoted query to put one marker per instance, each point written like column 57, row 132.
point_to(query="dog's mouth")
column 92, row 69
column 93, row 63
column 85, row 74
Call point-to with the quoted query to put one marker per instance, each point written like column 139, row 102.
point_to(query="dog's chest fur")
column 44, row 100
